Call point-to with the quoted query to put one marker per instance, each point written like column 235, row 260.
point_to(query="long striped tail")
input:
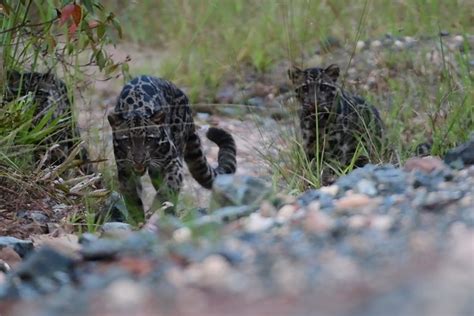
column 197, row 163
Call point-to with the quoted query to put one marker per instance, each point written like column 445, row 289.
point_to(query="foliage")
column 61, row 37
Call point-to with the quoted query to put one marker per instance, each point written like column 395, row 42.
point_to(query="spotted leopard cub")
column 49, row 97
column 154, row 132
column 336, row 126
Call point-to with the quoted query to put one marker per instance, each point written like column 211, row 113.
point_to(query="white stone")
column 256, row 223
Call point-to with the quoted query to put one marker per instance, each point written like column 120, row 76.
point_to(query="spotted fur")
column 334, row 122
column 50, row 97
column 154, row 132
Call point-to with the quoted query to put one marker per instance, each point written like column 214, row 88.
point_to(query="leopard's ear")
column 113, row 119
column 13, row 77
column 296, row 75
column 158, row 117
column 332, row 71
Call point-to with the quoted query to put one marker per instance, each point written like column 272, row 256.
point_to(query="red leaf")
column 93, row 24
column 72, row 29
column 73, row 11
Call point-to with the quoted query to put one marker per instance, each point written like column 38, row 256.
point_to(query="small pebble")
column 359, row 46
column 4, row 267
column 318, row 222
column 267, row 209
column 358, row 221
column 182, row 234
column 425, row 164
column 285, row 213
column 353, row 201
column 314, row 206
column 125, row 294
column 8, row 257
column 115, row 229
column 330, row 189
column 256, row 223
column 367, row 187
column 399, row 44
column 458, row 39
column 376, row 44
column 381, row 222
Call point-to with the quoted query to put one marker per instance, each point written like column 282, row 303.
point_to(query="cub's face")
column 315, row 87
column 136, row 137
column 39, row 84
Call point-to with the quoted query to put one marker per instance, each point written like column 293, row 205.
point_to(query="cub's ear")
column 332, row 71
column 296, row 75
column 113, row 119
column 13, row 76
column 158, row 117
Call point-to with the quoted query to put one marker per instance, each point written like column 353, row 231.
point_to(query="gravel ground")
column 380, row 240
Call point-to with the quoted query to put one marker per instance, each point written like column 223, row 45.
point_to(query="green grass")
column 214, row 38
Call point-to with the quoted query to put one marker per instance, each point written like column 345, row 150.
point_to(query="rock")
column 213, row 271
column 126, row 295
column 461, row 156
column 233, row 190
column 37, row 216
column 357, row 222
column 114, row 209
column 359, row 46
column 436, row 201
column 182, row 234
column 87, row 238
column 4, row 268
column 66, row 244
column 267, row 209
column 399, row 45
column 367, row 187
column 224, row 215
column 307, row 197
column 226, row 94
column 376, row 44
column 44, row 271
column 381, row 222
column 425, row 164
column 256, row 101
column 353, row 201
column 256, row 223
column 115, row 229
column 102, row 249
column 330, row 189
column 22, row 247
column 285, row 213
column 317, row 222
column 390, row 179
column 9, row 257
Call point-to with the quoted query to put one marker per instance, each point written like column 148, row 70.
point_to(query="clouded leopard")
column 336, row 126
column 154, row 132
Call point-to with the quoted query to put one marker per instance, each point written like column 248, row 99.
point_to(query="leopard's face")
column 315, row 87
column 20, row 84
column 43, row 87
column 137, row 138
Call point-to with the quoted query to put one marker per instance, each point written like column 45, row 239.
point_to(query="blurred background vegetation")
column 213, row 37
column 205, row 45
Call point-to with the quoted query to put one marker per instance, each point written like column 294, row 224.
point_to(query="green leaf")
column 100, row 59
column 89, row 5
